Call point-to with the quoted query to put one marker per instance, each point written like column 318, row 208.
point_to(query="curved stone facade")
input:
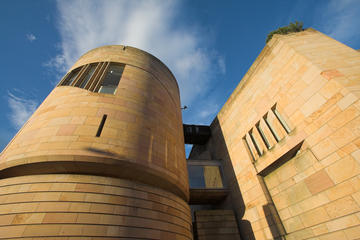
column 89, row 207
column 141, row 141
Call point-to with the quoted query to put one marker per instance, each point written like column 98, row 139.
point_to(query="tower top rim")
column 124, row 48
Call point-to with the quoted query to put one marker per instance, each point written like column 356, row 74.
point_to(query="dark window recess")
column 112, row 78
column 71, row 77
column 101, row 126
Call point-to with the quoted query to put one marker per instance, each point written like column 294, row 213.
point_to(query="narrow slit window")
column 262, row 135
column 71, row 77
column 272, row 130
column 101, row 126
column 256, row 144
column 249, row 149
column 88, row 75
column 281, row 120
column 112, row 79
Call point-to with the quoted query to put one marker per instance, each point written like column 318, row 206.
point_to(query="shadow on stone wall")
column 234, row 200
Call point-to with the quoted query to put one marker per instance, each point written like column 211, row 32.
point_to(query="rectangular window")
column 196, row 176
column 256, row 143
column 111, row 79
column 281, row 120
column 250, row 147
column 262, row 135
column 272, row 129
column 212, row 177
column 205, row 176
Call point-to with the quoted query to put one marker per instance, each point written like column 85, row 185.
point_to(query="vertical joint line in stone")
column 101, row 126
column 150, row 147
column 281, row 119
column 166, row 152
column 262, row 135
column 272, row 130
column 176, row 163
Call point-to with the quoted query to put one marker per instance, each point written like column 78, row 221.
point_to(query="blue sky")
column 209, row 45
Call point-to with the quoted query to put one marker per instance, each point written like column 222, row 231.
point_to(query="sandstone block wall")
column 216, row 224
column 313, row 81
column 141, row 142
column 59, row 206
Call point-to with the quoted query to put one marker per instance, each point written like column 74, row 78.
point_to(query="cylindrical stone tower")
column 102, row 157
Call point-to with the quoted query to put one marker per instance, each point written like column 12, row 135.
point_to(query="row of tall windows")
column 103, row 77
column 268, row 131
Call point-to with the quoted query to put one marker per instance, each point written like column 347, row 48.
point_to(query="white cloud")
column 21, row 108
column 203, row 111
column 340, row 20
column 31, row 37
column 154, row 26
column 208, row 112
column 222, row 65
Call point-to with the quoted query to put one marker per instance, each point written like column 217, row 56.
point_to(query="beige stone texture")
column 216, row 224
column 71, row 205
column 133, row 180
column 311, row 173
column 142, row 114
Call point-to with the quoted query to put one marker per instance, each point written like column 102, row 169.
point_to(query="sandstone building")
column 103, row 156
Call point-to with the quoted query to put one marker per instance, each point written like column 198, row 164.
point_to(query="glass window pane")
column 107, row 89
column 112, row 78
column 71, row 77
column 196, row 176
column 88, row 75
column 212, row 177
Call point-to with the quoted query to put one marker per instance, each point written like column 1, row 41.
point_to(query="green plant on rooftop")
column 292, row 27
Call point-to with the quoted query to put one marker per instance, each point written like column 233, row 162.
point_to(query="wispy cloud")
column 21, row 107
column 203, row 111
column 154, row 26
column 339, row 19
column 31, row 37
column 208, row 112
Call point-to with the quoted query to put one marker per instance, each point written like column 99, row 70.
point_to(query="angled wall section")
column 302, row 96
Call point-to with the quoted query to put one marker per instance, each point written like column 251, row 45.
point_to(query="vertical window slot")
column 262, row 135
column 101, row 126
column 272, row 130
column 250, row 147
column 256, row 143
column 281, row 119
column 88, row 74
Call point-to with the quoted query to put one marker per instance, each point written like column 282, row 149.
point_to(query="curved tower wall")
column 110, row 164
